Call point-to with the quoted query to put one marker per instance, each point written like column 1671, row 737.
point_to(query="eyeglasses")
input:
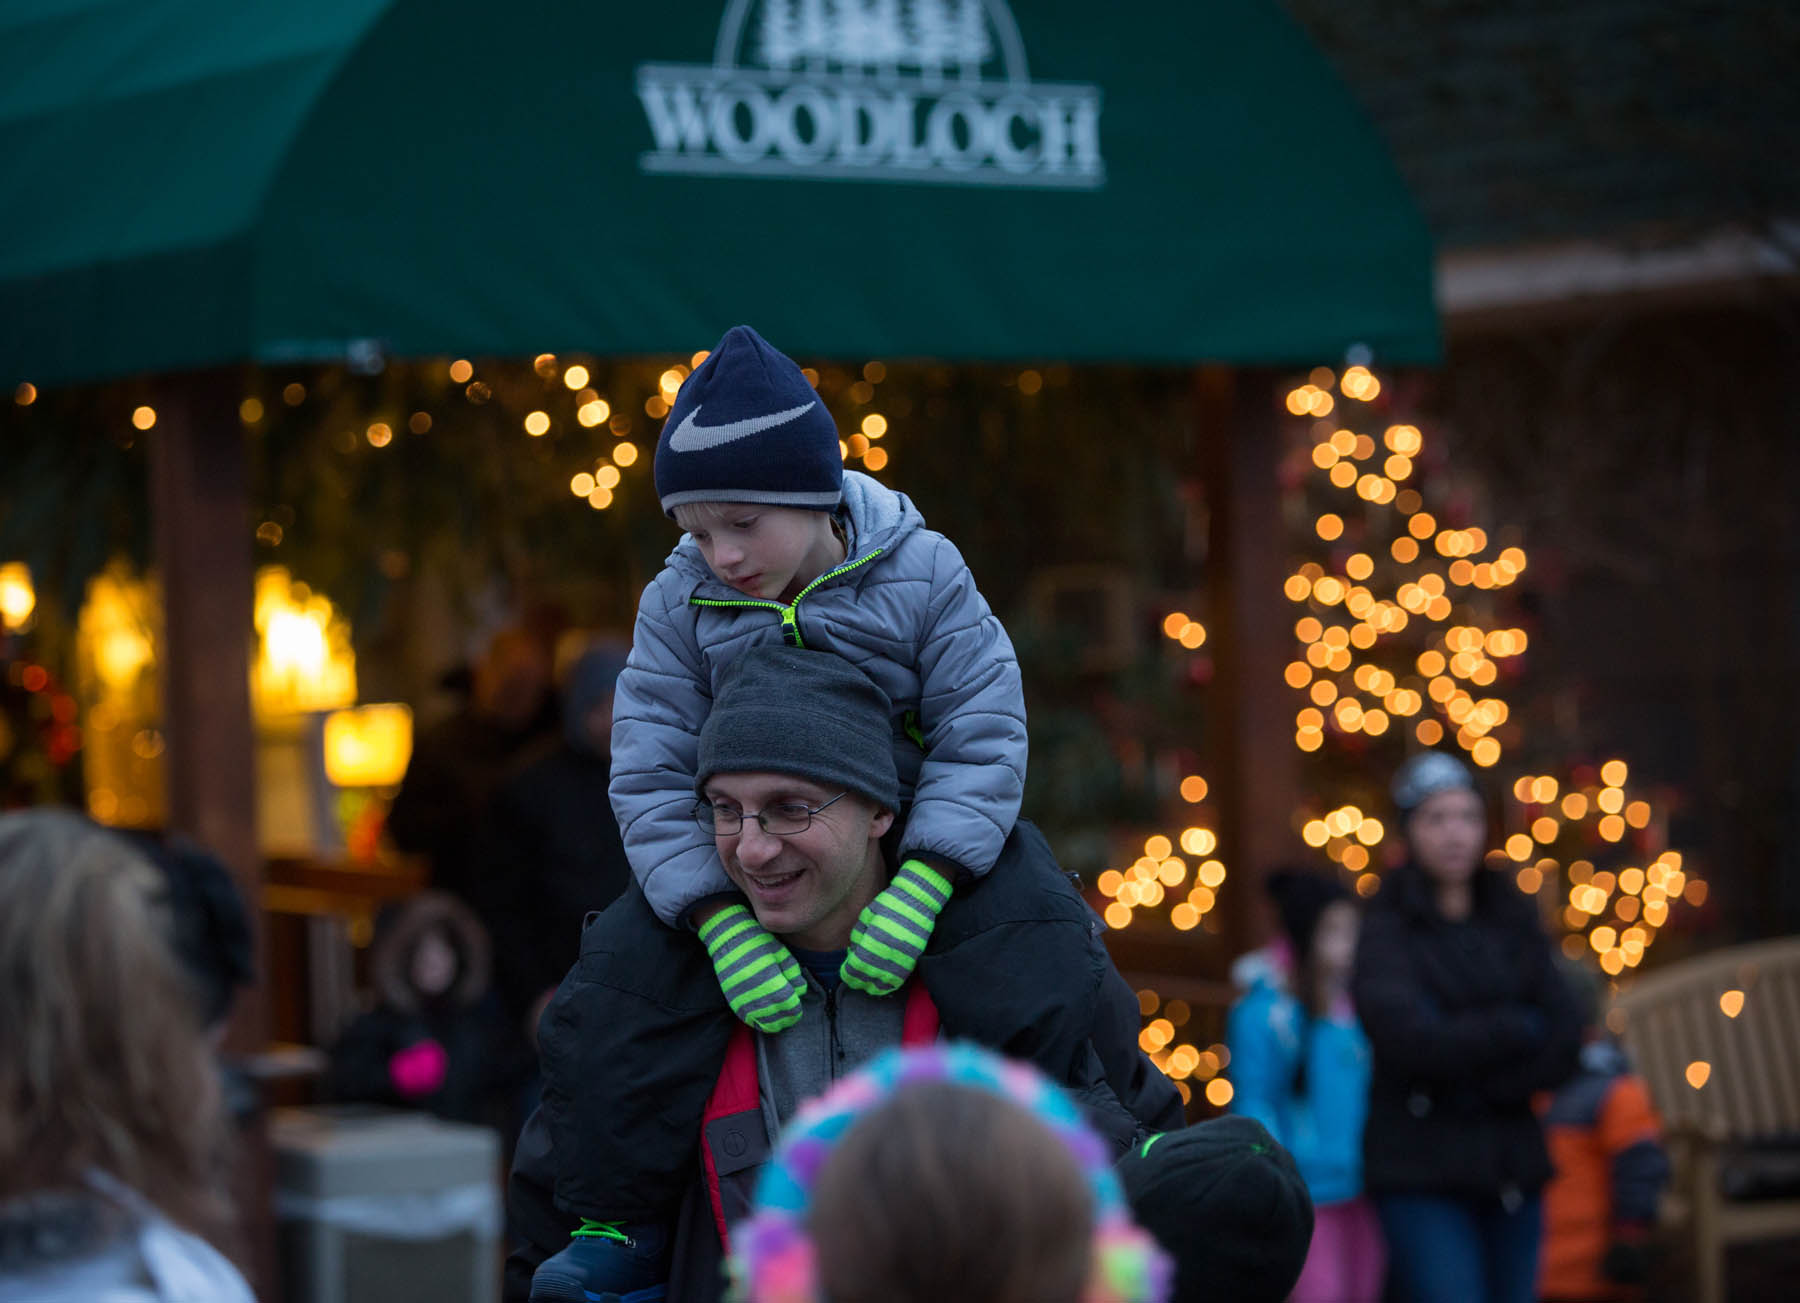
column 783, row 819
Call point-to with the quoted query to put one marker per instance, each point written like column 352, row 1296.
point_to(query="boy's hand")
column 894, row 929
column 761, row 980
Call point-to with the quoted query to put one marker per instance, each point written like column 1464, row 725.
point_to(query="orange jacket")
column 1605, row 1142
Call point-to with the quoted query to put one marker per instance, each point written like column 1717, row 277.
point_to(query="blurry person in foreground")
column 111, row 1129
column 937, row 1174
column 1606, row 1142
column 1468, row 1019
column 1300, row 1066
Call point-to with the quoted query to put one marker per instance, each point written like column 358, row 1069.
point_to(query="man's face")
column 810, row 887
column 762, row 551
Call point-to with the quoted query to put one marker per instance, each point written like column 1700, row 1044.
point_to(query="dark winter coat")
column 1466, row 1018
column 633, row 1041
column 442, row 805
column 553, row 857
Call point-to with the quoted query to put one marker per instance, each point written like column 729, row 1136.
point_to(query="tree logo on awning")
column 922, row 91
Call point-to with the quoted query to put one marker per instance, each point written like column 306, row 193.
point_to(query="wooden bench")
column 1718, row 1040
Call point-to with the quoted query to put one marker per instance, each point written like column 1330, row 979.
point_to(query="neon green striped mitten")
column 761, row 980
column 894, row 929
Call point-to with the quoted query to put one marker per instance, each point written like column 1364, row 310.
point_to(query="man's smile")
column 770, row 882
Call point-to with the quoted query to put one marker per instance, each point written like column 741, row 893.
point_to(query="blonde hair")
column 103, row 1064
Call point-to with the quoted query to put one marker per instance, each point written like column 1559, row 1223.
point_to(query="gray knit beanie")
column 1425, row 775
column 785, row 710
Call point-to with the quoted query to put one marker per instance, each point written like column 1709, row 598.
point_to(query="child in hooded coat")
column 434, row 1039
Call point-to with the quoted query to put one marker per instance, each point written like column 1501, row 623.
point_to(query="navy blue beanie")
column 747, row 427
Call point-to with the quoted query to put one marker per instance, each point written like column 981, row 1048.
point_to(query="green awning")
column 198, row 182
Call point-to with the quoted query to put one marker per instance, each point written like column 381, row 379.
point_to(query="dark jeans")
column 1446, row 1250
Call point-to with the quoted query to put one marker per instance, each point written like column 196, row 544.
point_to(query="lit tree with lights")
column 1397, row 631
column 1587, row 840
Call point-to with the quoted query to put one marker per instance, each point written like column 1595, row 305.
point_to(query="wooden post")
column 200, row 507
column 201, row 513
column 1253, row 759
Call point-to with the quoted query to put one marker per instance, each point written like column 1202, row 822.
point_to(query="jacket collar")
column 874, row 517
column 1493, row 896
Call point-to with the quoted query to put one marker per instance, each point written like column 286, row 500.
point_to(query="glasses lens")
column 715, row 818
column 787, row 818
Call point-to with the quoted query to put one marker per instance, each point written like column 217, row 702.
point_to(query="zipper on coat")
column 790, row 612
column 837, row 1048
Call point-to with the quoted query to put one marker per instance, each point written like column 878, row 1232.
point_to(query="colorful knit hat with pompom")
column 772, row 1257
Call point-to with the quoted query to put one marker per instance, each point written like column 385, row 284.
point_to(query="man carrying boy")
column 857, row 830
column 796, row 781
column 783, row 545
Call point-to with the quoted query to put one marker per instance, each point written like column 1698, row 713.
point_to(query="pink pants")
column 1347, row 1262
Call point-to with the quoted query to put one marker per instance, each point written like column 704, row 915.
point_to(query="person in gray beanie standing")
column 795, row 782
column 1467, row 1018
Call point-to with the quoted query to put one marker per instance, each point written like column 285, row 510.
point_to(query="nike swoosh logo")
column 691, row 436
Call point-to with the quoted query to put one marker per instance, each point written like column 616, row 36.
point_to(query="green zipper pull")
column 790, row 625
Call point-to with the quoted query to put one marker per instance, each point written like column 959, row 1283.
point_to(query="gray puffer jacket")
column 904, row 608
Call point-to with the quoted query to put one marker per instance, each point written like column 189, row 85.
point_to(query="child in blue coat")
column 1300, row 1066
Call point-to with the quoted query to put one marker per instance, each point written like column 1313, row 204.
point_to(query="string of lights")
column 1587, row 840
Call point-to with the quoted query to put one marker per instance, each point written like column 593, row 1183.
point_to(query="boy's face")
column 762, row 551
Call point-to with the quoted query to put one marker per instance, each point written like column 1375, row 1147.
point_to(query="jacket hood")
column 105, row 1241
column 875, row 517
column 880, row 517
column 40, row 1230
column 1267, row 966
column 390, row 957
